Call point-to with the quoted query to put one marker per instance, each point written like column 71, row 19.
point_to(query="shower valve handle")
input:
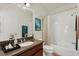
column 73, row 43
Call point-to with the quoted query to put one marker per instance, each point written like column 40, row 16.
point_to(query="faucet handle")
column 73, row 42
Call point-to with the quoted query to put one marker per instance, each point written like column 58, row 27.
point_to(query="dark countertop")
column 20, row 50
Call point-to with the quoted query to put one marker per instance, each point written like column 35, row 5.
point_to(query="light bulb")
column 24, row 7
column 28, row 4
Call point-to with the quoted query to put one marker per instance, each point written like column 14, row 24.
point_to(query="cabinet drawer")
column 39, row 53
column 32, row 50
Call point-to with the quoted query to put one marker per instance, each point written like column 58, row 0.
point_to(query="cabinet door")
column 32, row 51
column 39, row 53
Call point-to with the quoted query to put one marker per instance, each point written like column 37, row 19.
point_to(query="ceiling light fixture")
column 26, row 5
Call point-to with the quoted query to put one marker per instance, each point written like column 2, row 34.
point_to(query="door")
column 77, row 31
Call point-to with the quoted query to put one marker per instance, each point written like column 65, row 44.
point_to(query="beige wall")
column 38, row 13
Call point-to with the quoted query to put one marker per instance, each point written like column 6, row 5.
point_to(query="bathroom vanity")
column 36, row 49
column 33, row 51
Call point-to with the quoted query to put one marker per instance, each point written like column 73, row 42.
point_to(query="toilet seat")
column 47, row 47
column 48, row 50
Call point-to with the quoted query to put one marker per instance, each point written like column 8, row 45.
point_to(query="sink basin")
column 26, row 44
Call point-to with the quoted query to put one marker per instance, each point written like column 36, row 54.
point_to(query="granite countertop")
column 20, row 50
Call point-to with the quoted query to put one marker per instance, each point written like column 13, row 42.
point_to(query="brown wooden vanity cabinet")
column 34, row 51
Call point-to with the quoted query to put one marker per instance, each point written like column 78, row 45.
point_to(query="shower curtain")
column 45, row 30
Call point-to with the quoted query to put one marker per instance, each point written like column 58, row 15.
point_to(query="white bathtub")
column 63, row 51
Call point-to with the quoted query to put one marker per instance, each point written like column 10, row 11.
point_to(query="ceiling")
column 54, row 6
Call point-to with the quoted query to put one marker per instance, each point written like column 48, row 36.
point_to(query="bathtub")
column 64, row 51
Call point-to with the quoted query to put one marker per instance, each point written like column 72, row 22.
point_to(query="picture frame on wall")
column 37, row 24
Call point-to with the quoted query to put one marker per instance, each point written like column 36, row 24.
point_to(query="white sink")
column 26, row 44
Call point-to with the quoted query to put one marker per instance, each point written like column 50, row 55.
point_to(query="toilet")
column 47, row 50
